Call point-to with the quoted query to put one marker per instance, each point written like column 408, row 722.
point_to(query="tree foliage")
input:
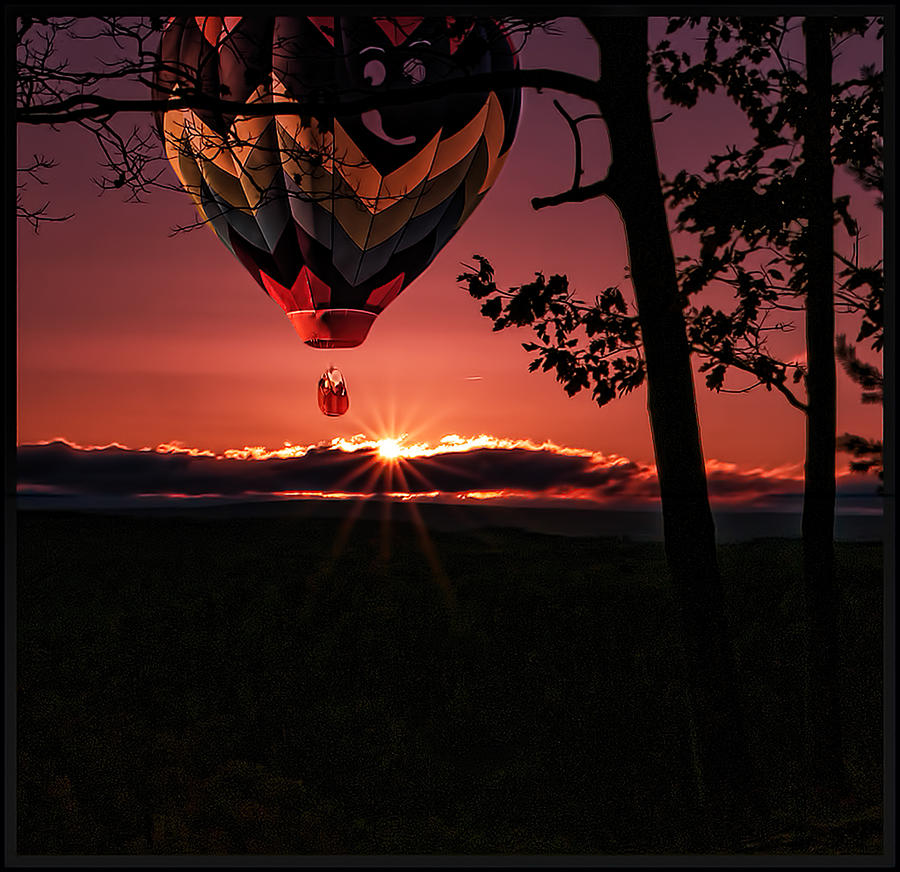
column 868, row 453
column 596, row 344
column 765, row 218
column 747, row 207
column 64, row 64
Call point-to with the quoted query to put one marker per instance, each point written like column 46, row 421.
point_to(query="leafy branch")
column 595, row 344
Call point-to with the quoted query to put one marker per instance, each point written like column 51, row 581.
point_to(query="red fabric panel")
column 301, row 292
column 397, row 29
column 380, row 297
column 456, row 41
column 297, row 298
column 321, row 21
column 210, row 26
column 319, row 290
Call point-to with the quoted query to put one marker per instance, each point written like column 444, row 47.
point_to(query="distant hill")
column 633, row 524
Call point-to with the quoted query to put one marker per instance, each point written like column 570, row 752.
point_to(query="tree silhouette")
column 869, row 453
column 759, row 213
column 770, row 210
column 56, row 86
column 632, row 182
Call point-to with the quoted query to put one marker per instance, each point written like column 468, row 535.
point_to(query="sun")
column 389, row 449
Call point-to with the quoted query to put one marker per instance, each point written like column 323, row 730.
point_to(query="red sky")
column 130, row 335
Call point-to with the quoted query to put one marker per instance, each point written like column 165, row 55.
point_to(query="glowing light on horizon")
column 316, row 495
column 484, row 495
column 177, row 495
column 389, row 449
column 179, row 448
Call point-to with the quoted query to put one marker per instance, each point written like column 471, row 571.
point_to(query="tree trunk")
column 823, row 721
column 721, row 755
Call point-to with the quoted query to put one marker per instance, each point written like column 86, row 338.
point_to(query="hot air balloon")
column 332, row 393
column 335, row 214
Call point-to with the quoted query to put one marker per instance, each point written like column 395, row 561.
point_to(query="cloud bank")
column 457, row 468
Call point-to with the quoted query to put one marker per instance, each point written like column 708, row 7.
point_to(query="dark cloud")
column 123, row 472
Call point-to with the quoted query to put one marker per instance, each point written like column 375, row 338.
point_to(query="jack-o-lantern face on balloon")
column 334, row 214
column 385, row 56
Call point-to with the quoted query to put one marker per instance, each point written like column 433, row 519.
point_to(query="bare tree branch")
column 53, row 90
column 79, row 107
column 574, row 195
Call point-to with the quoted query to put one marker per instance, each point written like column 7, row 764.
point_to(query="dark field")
column 234, row 686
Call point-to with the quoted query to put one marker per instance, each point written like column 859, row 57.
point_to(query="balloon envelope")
column 335, row 214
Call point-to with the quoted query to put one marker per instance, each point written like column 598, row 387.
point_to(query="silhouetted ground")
column 233, row 686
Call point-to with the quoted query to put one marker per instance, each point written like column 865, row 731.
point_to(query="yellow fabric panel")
column 494, row 172
column 454, row 148
column 259, row 169
column 474, row 180
column 317, row 181
column 249, row 128
column 256, row 149
column 469, row 208
column 428, row 194
column 183, row 162
column 204, row 141
column 394, row 207
column 291, row 122
column 425, row 197
column 189, row 174
column 388, row 221
column 354, row 217
column 173, row 134
column 375, row 193
column 298, row 142
column 342, row 193
column 180, row 158
column 494, row 130
column 355, row 167
column 403, row 180
column 224, row 184
column 368, row 230
column 438, row 188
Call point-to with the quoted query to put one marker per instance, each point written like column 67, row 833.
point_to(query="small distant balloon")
column 333, row 397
